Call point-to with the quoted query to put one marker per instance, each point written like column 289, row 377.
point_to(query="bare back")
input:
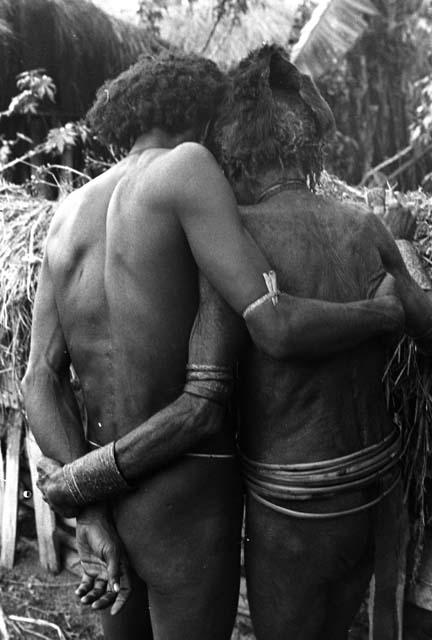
column 301, row 410
column 125, row 288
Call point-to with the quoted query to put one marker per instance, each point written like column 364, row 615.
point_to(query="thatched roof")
column 77, row 43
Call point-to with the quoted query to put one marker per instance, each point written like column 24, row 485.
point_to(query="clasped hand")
column 52, row 484
column 105, row 581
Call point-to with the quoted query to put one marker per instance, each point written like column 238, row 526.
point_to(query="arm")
column 216, row 337
column 205, row 206
column 52, row 410
column 416, row 302
column 55, row 421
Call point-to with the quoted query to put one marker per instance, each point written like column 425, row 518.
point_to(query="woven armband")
column 94, row 477
column 273, row 294
column 211, row 382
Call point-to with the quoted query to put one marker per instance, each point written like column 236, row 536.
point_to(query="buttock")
column 181, row 520
column 319, row 551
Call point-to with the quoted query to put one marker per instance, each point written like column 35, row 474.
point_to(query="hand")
column 387, row 291
column 387, row 287
column 400, row 222
column 52, row 484
column 106, row 578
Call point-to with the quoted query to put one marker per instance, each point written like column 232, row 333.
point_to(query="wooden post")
column 44, row 516
column 2, row 487
column 10, row 496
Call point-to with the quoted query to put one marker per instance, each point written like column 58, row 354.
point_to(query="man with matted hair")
column 117, row 297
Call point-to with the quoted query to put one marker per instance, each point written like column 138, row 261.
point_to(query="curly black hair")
column 173, row 91
column 272, row 114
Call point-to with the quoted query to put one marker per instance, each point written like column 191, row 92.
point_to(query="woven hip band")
column 374, row 465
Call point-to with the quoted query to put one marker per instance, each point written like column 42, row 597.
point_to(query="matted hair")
column 273, row 114
column 175, row 92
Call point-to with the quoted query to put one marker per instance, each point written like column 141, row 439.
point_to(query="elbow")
column 205, row 417
column 276, row 343
column 27, row 384
column 36, row 376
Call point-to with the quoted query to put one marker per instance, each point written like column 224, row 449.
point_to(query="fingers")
column 105, row 601
column 112, row 559
column 95, row 592
column 125, row 590
column 121, row 599
column 99, row 589
column 85, row 585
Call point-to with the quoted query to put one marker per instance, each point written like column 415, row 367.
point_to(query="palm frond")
column 333, row 28
column 5, row 29
column 188, row 27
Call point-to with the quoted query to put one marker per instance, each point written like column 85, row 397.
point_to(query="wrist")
column 391, row 312
column 94, row 477
column 93, row 512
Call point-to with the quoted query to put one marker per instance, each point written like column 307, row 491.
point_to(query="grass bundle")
column 408, row 376
column 24, row 223
column 408, row 388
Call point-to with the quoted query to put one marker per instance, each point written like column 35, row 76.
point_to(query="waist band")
column 327, row 478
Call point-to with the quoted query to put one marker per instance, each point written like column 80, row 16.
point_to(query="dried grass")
column 24, row 222
column 408, row 376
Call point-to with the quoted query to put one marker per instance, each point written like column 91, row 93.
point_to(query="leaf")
column 59, row 137
column 333, row 28
column 189, row 27
column 24, row 102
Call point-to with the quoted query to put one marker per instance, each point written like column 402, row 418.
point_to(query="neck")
column 278, row 176
column 250, row 192
column 159, row 139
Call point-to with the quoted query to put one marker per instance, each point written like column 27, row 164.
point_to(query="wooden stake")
column 10, row 496
column 4, row 635
column 44, row 516
column 2, row 487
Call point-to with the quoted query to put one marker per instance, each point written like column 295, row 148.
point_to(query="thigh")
column 292, row 565
column 204, row 608
column 133, row 621
column 345, row 598
column 182, row 532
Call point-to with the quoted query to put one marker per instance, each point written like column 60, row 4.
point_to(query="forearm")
column 306, row 328
column 167, row 435
column 53, row 415
column 111, row 469
column 414, row 289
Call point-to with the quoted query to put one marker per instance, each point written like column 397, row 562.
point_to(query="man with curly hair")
column 117, row 297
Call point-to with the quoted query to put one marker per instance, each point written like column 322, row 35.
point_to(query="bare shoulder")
column 190, row 160
column 64, row 211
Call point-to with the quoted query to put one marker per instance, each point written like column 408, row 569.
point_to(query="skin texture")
column 307, row 411
column 116, row 298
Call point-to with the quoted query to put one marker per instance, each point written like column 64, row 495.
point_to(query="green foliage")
column 69, row 134
column 150, row 13
column 34, row 86
column 421, row 128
